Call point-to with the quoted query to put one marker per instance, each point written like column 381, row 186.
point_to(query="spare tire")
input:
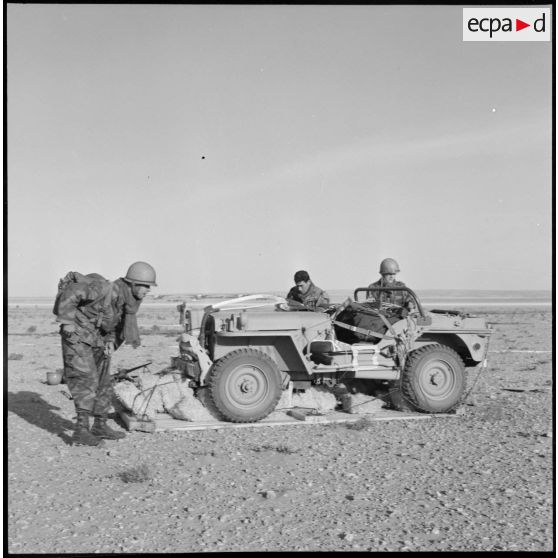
column 245, row 385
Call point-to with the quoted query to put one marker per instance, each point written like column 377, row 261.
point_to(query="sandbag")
column 361, row 403
column 190, row 408
column 318, row 397
column 134, row 400
column 172, row 391
column 151, row 384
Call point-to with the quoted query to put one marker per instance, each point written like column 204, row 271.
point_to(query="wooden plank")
column 166, row 423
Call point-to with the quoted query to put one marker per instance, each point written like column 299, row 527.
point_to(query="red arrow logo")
column 519, row 25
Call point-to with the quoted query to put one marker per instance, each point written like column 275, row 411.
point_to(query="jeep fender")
column 284, row 349
column 471, row 348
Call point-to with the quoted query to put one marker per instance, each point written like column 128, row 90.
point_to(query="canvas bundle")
column 136, row 401
column 150, row 394
column 190, row 408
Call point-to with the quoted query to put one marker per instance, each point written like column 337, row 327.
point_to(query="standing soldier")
column 96, row 317
column 308, row 294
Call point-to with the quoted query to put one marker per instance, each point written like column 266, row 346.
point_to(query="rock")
column 349, row 537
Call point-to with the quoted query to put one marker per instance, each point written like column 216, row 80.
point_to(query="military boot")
column 101, row 430
column 82, row 436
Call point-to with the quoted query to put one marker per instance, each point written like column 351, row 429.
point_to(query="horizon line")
column 266, row 291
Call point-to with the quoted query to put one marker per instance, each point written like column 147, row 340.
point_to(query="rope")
column 474, row 383
column 151, row 389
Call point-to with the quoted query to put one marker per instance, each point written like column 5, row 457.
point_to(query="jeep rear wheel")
column 245, row 385
column 433, row 380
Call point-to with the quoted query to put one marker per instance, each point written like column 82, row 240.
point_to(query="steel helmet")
column 389, row 265
column 141, row 273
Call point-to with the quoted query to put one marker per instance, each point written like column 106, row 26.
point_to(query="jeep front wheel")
column 433, row 379
column 245, row 385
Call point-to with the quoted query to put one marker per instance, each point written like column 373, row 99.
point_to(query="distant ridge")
column 450, row 293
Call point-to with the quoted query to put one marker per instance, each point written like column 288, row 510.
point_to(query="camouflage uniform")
column 353, row 314
column 97, row 318
column 315, row 299
column 401, row 298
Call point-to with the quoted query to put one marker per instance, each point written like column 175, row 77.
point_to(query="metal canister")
column 54, row 378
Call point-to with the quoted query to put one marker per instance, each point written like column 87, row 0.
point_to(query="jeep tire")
column 433, row 380
column 244, row 385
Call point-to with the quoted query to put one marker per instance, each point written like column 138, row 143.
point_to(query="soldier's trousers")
column 88, row 380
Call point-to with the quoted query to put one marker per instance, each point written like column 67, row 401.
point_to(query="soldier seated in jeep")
column 382, row 308
column 388, row 271
column 305, row 293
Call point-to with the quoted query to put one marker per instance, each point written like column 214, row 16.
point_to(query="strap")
column 106, row 296
column 387, row 324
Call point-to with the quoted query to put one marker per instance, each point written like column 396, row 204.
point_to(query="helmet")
column 389, row 265
column 141, row 273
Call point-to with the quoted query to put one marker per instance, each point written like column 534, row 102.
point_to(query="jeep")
column 251, row 348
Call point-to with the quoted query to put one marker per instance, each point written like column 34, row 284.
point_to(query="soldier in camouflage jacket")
column 308, row 294
column 96, row 317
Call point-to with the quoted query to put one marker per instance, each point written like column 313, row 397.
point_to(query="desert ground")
column 480, row 480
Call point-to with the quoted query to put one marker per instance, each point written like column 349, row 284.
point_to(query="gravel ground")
column 482, row 480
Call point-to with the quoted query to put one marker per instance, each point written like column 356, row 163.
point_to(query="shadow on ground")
column 31, row 407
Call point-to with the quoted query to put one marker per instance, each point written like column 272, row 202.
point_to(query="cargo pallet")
column 292, row 417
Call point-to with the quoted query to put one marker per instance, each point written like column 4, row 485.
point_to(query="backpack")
column 98, row 282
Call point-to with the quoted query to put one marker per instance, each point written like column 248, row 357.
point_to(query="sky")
column 230, row 146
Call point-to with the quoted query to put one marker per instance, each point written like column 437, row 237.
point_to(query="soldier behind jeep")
column 306, row 293
column 393, row 305
column 388, row 270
